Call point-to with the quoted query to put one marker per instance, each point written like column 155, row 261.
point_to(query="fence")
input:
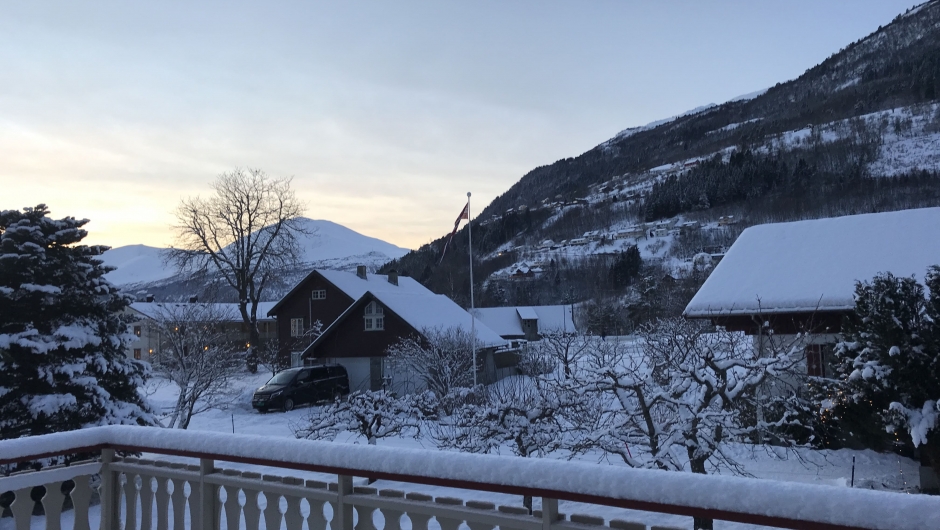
column 138, row 494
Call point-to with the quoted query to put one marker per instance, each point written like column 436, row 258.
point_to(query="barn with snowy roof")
column 800, row 276
column 527, row 322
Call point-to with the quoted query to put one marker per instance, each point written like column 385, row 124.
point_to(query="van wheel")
column 288, row 405
column 337, row 396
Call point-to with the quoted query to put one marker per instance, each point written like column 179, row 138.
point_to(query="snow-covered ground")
column 831, row 468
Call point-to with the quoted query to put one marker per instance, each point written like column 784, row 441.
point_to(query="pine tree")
column 62, row 334
column 890, row 358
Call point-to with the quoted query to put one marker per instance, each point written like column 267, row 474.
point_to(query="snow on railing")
column 155, row 487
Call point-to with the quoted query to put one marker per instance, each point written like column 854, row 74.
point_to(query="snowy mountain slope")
column 136, row 264
column 327, row 245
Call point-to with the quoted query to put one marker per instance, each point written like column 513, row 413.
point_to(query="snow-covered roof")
column 436, row 311
column 354, row 286
column 227, row 311
column 507, row 321
column 813, row 265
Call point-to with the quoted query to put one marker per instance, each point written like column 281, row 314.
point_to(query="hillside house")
column 144, row 316
column 800, row 277
column 322, row 296
column 526, row 322
column 359, row 337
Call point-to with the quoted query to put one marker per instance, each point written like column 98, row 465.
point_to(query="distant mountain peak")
column 327, row 245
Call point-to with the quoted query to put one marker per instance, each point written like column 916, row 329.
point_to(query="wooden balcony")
column 143, row 494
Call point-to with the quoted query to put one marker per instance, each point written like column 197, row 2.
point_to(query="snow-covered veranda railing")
column 761, row 502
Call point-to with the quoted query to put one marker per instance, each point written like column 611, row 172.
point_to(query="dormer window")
column 374, row 317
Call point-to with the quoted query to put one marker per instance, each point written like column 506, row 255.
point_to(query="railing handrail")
column 761, row 502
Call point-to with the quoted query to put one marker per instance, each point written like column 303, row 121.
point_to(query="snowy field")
column 832, row 468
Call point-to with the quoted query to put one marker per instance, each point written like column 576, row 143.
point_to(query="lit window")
column 137, row 353
column 296, row 327
column 318, row 294
column 374, row 320
column 137, row 330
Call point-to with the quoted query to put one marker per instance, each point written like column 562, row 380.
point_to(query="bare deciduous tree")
column 246, row 232
column 441, row 359
column 197, row 354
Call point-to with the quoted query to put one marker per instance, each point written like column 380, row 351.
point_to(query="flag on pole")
column 464, row 214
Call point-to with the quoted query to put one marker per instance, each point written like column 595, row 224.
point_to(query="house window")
column 137, row 330
column 296, row 327
column 318, row 294
column 817, row 360
column 374, row 317
column 137, row 353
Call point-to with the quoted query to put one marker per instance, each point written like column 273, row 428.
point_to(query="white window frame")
column 318, row 294
column 296, row 327
column 374, row 317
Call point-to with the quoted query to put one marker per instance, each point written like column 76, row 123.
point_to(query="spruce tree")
column 62, row 332
column 890, row 361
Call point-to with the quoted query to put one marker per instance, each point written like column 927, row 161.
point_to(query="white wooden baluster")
column 52, row 505
column 22, row 508
column 365, row 513
column 445, row 522
column 233, row 510
column 272, row 512
column 392, row 517
column 178, row 500
column 364, row 522
column 252, row 511
column 130, row 502
column 146, row 502
column 316, row 520
column 480, row 505
column 81, row 498
column 293, row 518
column 419, row 521
column 163, row 503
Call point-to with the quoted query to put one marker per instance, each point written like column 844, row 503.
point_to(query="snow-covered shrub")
column 372, row 415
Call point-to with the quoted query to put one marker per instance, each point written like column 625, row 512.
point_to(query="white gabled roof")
column 813, row 265
column 227, row 311
column 436, row 311
column 507, row 321
column 355, row 287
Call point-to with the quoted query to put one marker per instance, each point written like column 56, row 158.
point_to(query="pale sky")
column 385, row 113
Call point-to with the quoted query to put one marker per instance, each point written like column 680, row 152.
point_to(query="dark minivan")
column 297, row 386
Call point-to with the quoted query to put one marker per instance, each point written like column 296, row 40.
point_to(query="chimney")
column 393, row 277
column 361, row 271
column 149, row 298
column 193, row 299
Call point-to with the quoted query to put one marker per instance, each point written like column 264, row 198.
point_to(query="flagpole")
column 473, row 335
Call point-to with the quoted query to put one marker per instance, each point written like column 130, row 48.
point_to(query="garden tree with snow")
column 196, row 353
column 372, row 415
column 889, row 359
column 562, row 348
column 676, row 397
column 441, row 359
column 519, row 413
column 63, row 364
column 246, row 232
